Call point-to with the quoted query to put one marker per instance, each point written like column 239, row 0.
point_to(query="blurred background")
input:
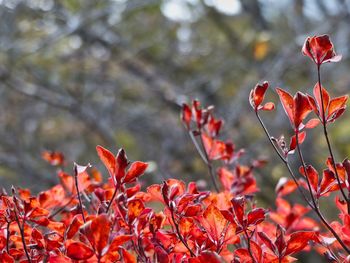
column 77, row 73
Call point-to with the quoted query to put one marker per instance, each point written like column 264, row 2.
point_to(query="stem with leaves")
column 78, row 193
column 325, row 132
column 284, row 160
column 248, row 246
column 113, row 196
column 53, row 214
column 179, row 233
column 316, row 206
column 21, row 230
column 204, row 155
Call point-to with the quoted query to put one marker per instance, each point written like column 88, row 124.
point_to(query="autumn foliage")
column 85, row 219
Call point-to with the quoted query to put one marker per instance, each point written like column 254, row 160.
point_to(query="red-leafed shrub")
column 83, row 219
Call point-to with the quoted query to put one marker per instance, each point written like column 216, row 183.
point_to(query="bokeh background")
column 77, row 73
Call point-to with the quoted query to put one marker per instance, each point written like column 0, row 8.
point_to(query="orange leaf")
column 336, row 104
column 128, row 257
column 301, row 108
column 136, row 169
column 325, row 96
column 268, row 106
column 135, row 207
column 97, row 231
column 186, row 115
column 213, row 222
column 312, row 123
column 299, row 240
column 312, row 175
column 287, row 103
column 107, row 159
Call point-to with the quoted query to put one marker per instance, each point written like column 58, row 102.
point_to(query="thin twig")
column 284, row 160
column 112, row 199
column 316, row 208
column 325, row 132
column 78, row 194
column 210, row 166
column 179, row 233
column 314, row 201
column 61, row 208
column 204, row 155
column 21, row 230
column 248, row 246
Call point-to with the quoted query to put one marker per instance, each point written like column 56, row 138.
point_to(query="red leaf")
column 128, row 257
column 312, row 123
column 214, row 222
column 325, row 96
column 312, row 175
column 257, row 95
column 285, row 186
column 97, row 231
column 118, row 241
column 6, row 258
column 107, row 159
column 238, row 208
column 293, row 141
column 267, row 241
column 336, row 105
column 268, row 106
column 186, row 115
column 301, row 108
column 242, row 255
column 135, row 207
column 256, row 250
column 59, row 259
column 122, row 163
column 328, row 182
column 280, row 242
column 256, row 216
column 336, row 115
column 313, row 104
column 214, row 125
column 186, row 224
column 53, row 158
column 320, row 49
column 136, row 169
column 287, row 103
column 299, row 240
column 209, row 256
column 74, row 226
column 78, row 251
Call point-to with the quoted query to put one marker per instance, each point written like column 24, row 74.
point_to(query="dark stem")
column 284, row 160
column 179, row 233
column 324, row 123
column 61, row 208
column 248, row 246
column 112, row 199
column 204, row 155
column 316, row 208
column 79, row 197
column 21, row 230
column 314, row 201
